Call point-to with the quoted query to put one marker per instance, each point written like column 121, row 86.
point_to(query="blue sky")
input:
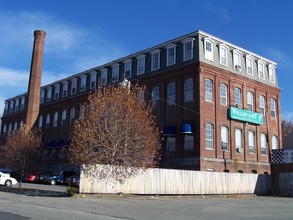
column 85, row 34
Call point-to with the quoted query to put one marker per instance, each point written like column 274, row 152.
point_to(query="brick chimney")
column 34, row 87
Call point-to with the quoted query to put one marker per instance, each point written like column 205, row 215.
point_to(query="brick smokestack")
column 33, row 94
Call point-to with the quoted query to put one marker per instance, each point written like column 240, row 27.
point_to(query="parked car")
column 58, row 177
column 7, row 180
column 72, row 180
column 31, row 177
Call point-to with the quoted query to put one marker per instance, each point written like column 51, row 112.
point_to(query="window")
column 171, row 54
column 57, row 91
column 47, row 121
column 171, row 94
column 115, row 72
column 15, row 126
column 187, row 49
column 127, row 68
column 155, row 60
column 188, row 142
column 238, row 139
column 209, row 136
column 208, row 90
column 11, row 107
column 104, row 76
column 10, row 127
column 274, row 142
column 249, row 65
column 63, row 118
column 261, row 69
column 237, row 96
column 6, row 108
column 171, row 143
column 42, row 96
column 156, row 96
column 73, row 86
column 65, row 89
column 250, row 101
column 251, row 142
column 188, row 90
column 262, row 108
column 72, row 115
column 4, row 128
column 223, row 94
column 82, row 83
column 52, row 154
column 81, row 112
column 263, row 144
column 223, row 55
column 140, row 64
column 208, row 49
column 273, row 108
column 40, row 121
column 22, row 102
column 49, row 94
column 55, row 120
column 272, row 74
column 16, row 105
column 93, row 79
column 224, row 138
column 237, row 59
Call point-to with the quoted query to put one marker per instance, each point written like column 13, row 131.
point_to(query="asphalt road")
column 21, row 207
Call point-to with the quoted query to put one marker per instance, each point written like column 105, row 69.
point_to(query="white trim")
column 249, row 57
column 170, row 46
column 185, row 41
column 156, row 51
column 223, row 46
column 259, row 64
column 237, row 62
column 139, row 58
column 208, row 55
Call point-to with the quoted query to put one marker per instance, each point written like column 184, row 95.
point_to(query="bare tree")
column 287, row 127
column 21, row 149
column 117, row 129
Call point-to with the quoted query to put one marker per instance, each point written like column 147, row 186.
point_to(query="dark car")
column 58, row 177
column 73, row 180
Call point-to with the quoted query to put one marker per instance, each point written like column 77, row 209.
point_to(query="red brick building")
column 217, row 104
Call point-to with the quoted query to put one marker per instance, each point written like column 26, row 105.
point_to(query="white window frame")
column 237, row 96
column 156, row 95
column 272, row 73
column 73, row 86
column 155, row 59
column 237, row 55
column 93, row 82
column 249, row 64
column 6, row 108
column 16, row 107
column 42, row 96
column 171, row 94
column 55, row 120
column 40, row 122
column 49, row 94
column 81, row 111
column 263, row 144
column 209, row 137
column 188, row 45
column 275, row 144
column 140, row 64
column 262, row 104
column 82, row 83
column 22, row 102
column 170, row 143
column 10, row 127
column 57, row 91
column 72, row 115
column 127, row 68
column 261, row 69
column 208, row 90
column 250, row 101
column 64, row 88
column 223, row 51
column 251, row 142
column 115, row 72
column 104, row 76
column 238, row 138
column 47, row 125
column 63, row 118
column 188, row 141
column 171, row 54
column 225, row 137
column 223, row 94
column 273, row 108
column 188, row 90
column 4, row 128
column 15, row 126
column 209, row 49
column 11, row 106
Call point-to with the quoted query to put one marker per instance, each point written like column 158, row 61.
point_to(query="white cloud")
column 284, row 61
column 287, row 115
column 1, row 106
column 13, row 78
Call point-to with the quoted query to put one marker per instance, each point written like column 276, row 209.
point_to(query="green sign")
column 245, row 115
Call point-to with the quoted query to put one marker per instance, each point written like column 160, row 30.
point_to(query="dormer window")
column 187, row 49
column 49, row 94
column 171, row 54
column 73, row 86
column 82, row 83
column 16, row 105
column 11, row 107
column 104, row 76
column 115, row 72
column 155, row 60
column 272, row 74
column 223, row 54
column 140, row 64
column 65, row 89
column 22, row 101
column 42, row 98
column 249, row 65
column 127, row 68
column 237, row 59
column 6, row 108
column 208, row 49
column 93, row 79
column 261, row 69
column 57, row 91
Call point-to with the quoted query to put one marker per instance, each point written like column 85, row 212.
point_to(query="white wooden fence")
column 180, row 182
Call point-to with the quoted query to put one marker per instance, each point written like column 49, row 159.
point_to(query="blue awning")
column 169, row 131
column 187, row 128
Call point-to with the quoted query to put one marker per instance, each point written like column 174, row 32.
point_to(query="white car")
column 6, row 180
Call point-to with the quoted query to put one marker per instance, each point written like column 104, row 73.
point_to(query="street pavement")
column 15, row 206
